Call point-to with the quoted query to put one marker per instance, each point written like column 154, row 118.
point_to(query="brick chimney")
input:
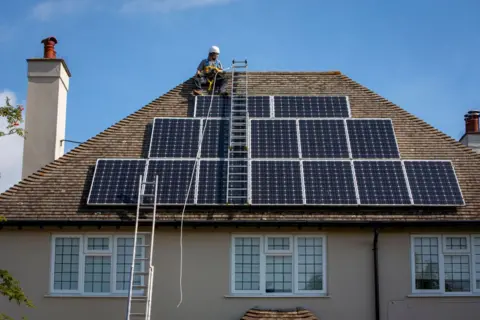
column 471, row 138
column 46, row 107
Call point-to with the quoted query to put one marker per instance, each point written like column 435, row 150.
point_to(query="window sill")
column 444, row 295
column 73, row 295
column 276, row 296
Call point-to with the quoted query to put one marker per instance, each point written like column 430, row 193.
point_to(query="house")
column 345, row 262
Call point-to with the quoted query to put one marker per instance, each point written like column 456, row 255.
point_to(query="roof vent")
column 49, row 48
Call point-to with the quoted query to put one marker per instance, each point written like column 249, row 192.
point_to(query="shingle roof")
column 58, row 192
column 290, row 314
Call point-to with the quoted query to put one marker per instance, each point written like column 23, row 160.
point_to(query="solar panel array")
column 302, row 151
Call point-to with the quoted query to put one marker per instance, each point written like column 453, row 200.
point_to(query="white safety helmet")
column 214, row 49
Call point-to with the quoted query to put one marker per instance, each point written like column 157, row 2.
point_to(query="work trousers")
column 220, row 82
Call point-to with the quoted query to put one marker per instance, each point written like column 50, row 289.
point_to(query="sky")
column 422, row 55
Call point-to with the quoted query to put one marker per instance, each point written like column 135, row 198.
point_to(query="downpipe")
column 375, row 274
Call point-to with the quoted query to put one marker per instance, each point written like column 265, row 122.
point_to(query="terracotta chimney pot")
column 49, row 48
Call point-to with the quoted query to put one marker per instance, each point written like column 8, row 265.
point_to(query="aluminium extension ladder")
column 237, row 173
column 140, row 306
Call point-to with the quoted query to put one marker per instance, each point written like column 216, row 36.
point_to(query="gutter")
column 375, row 274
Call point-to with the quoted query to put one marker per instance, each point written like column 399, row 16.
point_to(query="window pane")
column 98, row 243
column 457, row 273
column 278, row 243
column 247, row 264
column 476, row 252
column 66, row 263
column 426, row 263
column 310, row 264
column 97, row 273
column 279, row 274
column 456, row 243
column 124, row 262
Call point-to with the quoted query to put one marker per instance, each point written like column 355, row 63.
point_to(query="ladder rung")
column 238, row 166
column 237, row 197
column 137, row 314
column 140, row 273
column 148, row 182
column 139, row 298
column 238, row 151
column 147, row 195
column 140, row 286
column 143, row 259
column 237, row 189
column 144, row 232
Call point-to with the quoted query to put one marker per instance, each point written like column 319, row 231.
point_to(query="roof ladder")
column 141, row 280
column 237, row 173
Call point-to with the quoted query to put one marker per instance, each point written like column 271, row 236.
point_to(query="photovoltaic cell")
column 274, row 139
column 173, row 180
column 215, row 138
column 259, row 106
column 116, row 181
column 311, row 106
column 372, row 138
column 175, row 138
column 276, row 182
column 212, row 183
column 433, row 183
column 329, row 182
column 381, row 183
column 323, row 139
column 220, row 106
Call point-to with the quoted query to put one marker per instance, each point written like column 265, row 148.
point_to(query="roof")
column 58, row 192
column 292, row 314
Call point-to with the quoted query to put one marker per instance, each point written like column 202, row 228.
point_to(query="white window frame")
column 264, row 252
column 442, row 252
column 83, row 252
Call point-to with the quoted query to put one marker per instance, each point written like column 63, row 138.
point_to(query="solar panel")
column 220, row 106
column 215, row 138
column 174, row 138
column 259, row 106
column 311, row 106
column 323, row 139
column 433, row 183
column 173, row 180
column 115, row 181
column 329, row 182
column 274, row 139
column 372, row 138
column 381, row 183
column 276, row 182
column 212, row 182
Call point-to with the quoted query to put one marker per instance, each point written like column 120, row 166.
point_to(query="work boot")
column 198, row 92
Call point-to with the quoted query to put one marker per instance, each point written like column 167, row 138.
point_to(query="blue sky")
column 422, row 55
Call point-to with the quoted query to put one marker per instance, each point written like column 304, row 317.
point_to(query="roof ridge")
column 85, row 146
column 412, row 117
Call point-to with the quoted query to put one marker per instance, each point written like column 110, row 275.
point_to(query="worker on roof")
column 206, row 71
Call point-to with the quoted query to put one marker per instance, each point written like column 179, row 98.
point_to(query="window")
column 94, row 264
column 446, row 263
column 278, row 264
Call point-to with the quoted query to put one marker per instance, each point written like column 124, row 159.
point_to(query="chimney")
column 45, row 118
column 471, row 138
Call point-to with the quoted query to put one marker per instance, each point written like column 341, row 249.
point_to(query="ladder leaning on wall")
column 140, row 306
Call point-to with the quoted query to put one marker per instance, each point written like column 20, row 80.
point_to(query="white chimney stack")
column 45, row 118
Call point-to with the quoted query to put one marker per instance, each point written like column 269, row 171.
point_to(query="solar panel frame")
column 274, row 106
column 347, row 141
column 249, row 137
column 224, row 181
column 193, row 187
column 227, row 136
column 347, row 120
column 354, row 182
column 95, row 172
column 250, row 199
column 454, row 174
column 172, row 118
column 407, row 185
column 214, row 112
